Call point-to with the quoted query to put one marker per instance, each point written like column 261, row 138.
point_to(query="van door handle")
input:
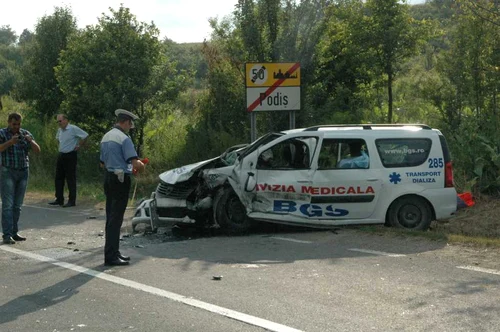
column 304, row 181
column 372, row 180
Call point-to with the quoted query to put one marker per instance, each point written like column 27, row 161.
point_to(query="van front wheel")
column 411, row 213
column 230, row 213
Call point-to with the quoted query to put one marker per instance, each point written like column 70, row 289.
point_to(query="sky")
column 183, row 21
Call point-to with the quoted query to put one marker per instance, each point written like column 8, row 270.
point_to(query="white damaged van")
column 399, row 175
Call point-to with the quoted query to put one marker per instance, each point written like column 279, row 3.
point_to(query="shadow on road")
column 43, row 298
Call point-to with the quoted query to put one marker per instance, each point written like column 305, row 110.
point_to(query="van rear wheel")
column 411, row 213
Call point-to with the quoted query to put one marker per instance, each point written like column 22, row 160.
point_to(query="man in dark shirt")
column 15, row 143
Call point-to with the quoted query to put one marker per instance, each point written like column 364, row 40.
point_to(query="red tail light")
column 448, row 175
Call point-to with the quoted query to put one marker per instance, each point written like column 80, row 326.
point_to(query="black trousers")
column 66, row 172
column 116, row 202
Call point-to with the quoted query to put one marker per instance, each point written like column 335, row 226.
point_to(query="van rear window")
column 403, row 152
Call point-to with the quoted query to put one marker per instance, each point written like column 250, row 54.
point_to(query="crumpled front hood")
column 183, row 173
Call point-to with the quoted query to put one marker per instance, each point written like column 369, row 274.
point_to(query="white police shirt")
column 117, row 151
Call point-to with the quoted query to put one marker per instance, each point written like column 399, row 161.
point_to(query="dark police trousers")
column 66, row 170
column 116, row 202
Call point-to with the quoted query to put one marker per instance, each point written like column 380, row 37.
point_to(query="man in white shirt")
column 71, row 139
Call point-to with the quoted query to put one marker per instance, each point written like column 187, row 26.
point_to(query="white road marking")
column 252, row 320
column 288, row 239
column 479, row 269
column 380, row 253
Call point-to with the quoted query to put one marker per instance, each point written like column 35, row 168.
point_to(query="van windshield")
column 259, row 142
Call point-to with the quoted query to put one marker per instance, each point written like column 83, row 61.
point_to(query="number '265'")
column 435, row 162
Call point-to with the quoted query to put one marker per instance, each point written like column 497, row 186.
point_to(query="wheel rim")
column 236, row 212
column 409, row 216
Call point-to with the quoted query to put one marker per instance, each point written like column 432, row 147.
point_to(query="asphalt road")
column 278, row 280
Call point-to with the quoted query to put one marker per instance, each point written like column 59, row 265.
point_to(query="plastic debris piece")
column 139, row 246
column 217, row 278
column 465, row 200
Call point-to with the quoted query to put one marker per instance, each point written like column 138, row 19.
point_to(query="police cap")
column 126, row 115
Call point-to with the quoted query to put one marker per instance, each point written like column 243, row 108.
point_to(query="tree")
column 7, row 35
column 26, row 37
column 116, row 64
column 10, row 59
column 394, row 36
column 38, row 85
column 259, row 31
column 343, row 67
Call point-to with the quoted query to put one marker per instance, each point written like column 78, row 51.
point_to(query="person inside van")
column 357, row 158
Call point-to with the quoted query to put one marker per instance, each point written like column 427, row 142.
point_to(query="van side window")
column 295, row 153
column 403, row 152
column 343, row 154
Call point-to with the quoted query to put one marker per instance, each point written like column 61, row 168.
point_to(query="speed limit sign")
column 258, row 74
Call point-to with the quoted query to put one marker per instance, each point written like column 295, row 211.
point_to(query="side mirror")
column 251, row 183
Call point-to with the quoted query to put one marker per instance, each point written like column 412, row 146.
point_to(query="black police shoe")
column 18, row 237
column 116, row 262
column 8, row 240
column 123, row 258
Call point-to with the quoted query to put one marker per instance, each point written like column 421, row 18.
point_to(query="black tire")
column 410, row 212
column 230, row 213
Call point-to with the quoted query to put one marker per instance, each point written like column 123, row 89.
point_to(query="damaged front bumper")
column 147, row 213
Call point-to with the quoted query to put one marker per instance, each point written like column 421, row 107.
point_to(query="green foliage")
column 8, row 69
column 265, row 30
column 343, row 70
column 7, row 35
column 38, row 85
column 439, row 10
column 115, row 64
column 26, row 37
column 361, row 61
column 220, row 109
column 476, row 156
column 10, row 60
column 394, row 37
column 165, row 140
column 188, row 59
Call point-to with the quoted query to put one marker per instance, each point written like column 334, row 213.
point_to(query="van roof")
column 395, row 126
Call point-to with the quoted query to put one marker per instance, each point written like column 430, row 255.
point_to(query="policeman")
column 119, row 159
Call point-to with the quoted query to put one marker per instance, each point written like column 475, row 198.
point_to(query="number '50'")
column 435, row 162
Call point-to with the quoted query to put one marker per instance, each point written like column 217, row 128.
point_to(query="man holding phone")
column 15, row 143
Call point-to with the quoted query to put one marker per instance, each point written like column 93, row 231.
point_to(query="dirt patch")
column 43, row 198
